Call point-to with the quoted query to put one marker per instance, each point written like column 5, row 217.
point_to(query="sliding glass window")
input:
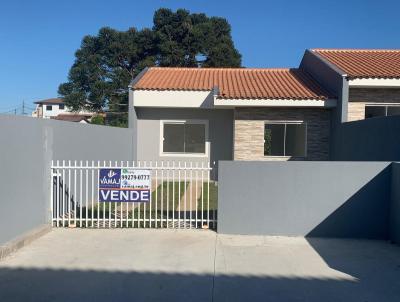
column 285, row 139
column 184, row 137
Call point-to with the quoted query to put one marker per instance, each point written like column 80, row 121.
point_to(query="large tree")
column 194, row 40
column 106, row 63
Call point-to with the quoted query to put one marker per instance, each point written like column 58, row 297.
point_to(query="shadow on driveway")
column 146, row 265
column 98, row 286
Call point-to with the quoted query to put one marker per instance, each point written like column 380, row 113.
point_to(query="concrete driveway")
column 164, row 265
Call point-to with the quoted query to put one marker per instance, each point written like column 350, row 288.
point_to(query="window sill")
column 201, row 155
column 286, row 157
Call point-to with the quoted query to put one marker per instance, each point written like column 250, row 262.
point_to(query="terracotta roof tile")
column 235, row 83
column 71, row 117
column 364, row 63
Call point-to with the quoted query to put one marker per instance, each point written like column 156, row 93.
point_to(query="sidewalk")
column 193, row 265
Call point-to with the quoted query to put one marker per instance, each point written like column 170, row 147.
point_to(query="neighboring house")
column 197, row 114
column 372, row 80
column 56, row 109
column 49, row 108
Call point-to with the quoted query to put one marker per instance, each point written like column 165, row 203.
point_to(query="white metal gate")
column 183, row 195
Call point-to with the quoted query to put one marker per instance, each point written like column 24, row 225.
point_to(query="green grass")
column 213, row 202
column 168, row 191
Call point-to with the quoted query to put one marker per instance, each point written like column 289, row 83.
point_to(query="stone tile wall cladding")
column 359, row 97
column 249, row 131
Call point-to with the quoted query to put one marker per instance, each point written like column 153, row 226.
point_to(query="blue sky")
column 39, row 38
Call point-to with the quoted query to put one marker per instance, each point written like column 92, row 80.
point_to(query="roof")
column 235, row 83
column 51, row 101
column 364, row 63
column 71, row 117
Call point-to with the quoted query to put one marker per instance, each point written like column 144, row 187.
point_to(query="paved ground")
column 161, row 265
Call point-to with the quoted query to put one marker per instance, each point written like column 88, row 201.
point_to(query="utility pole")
column 23, row 107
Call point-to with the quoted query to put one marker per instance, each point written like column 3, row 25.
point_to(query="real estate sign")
column 124, row 185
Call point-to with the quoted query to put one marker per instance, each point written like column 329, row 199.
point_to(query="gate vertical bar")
column 69, row 192
column 168, row 198
column 133, row 206
column 120, row 204
column 179, row 195
column 208, row 195
column 80, row 193
column 127, row 203
column 162, row 196
column 63, row 194
column 197, row 199
column 150, row 213
column 156, row 192
column 97, row 193
column 87, row 193
column 144, row 205
column 110, row 206
column 173, row 194
column 51, row 194
column 185, row 196
column 115, row 204
column 75, row 193
column 57, row 194
column 202, row 194
column 104, row 203
column 191, row 193
column 138, row 164
column 92, row 196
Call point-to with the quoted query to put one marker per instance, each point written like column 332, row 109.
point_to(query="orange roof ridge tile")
column 224, row 68
column 355, row 50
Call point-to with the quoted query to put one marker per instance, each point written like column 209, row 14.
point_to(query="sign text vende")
column 124, row 185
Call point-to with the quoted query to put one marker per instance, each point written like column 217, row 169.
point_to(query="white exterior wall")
column 173, row 99
column 41, row 111
column 55, row 110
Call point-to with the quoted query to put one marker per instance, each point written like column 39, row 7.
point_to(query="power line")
column 22, row 109
column 14, row 110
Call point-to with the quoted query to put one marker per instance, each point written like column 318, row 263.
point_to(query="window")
column 285, row 139
column 49, row 107
column 381, row 110
column 184, row 137
column 61, row 106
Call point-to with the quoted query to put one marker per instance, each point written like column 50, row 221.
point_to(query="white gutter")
column 371, row 83
column 229, row 103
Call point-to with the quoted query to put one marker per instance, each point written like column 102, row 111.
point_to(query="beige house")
column 213, row 114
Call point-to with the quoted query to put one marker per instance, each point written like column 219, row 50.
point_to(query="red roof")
column 235, row 83
column 72, row 117
column 364, row 63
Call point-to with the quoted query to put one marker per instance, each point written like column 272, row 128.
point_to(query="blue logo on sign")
column 110, row 178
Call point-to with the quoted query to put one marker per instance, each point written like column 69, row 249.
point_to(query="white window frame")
column 284, row 146
column 386, row 105
column 178, row 154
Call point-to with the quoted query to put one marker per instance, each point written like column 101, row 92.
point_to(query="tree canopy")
column 106, row 63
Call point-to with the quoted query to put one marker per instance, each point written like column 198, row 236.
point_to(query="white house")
column 49, row 108
column 56, row 109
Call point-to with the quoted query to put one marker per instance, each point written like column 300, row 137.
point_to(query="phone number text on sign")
column 124, row 185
